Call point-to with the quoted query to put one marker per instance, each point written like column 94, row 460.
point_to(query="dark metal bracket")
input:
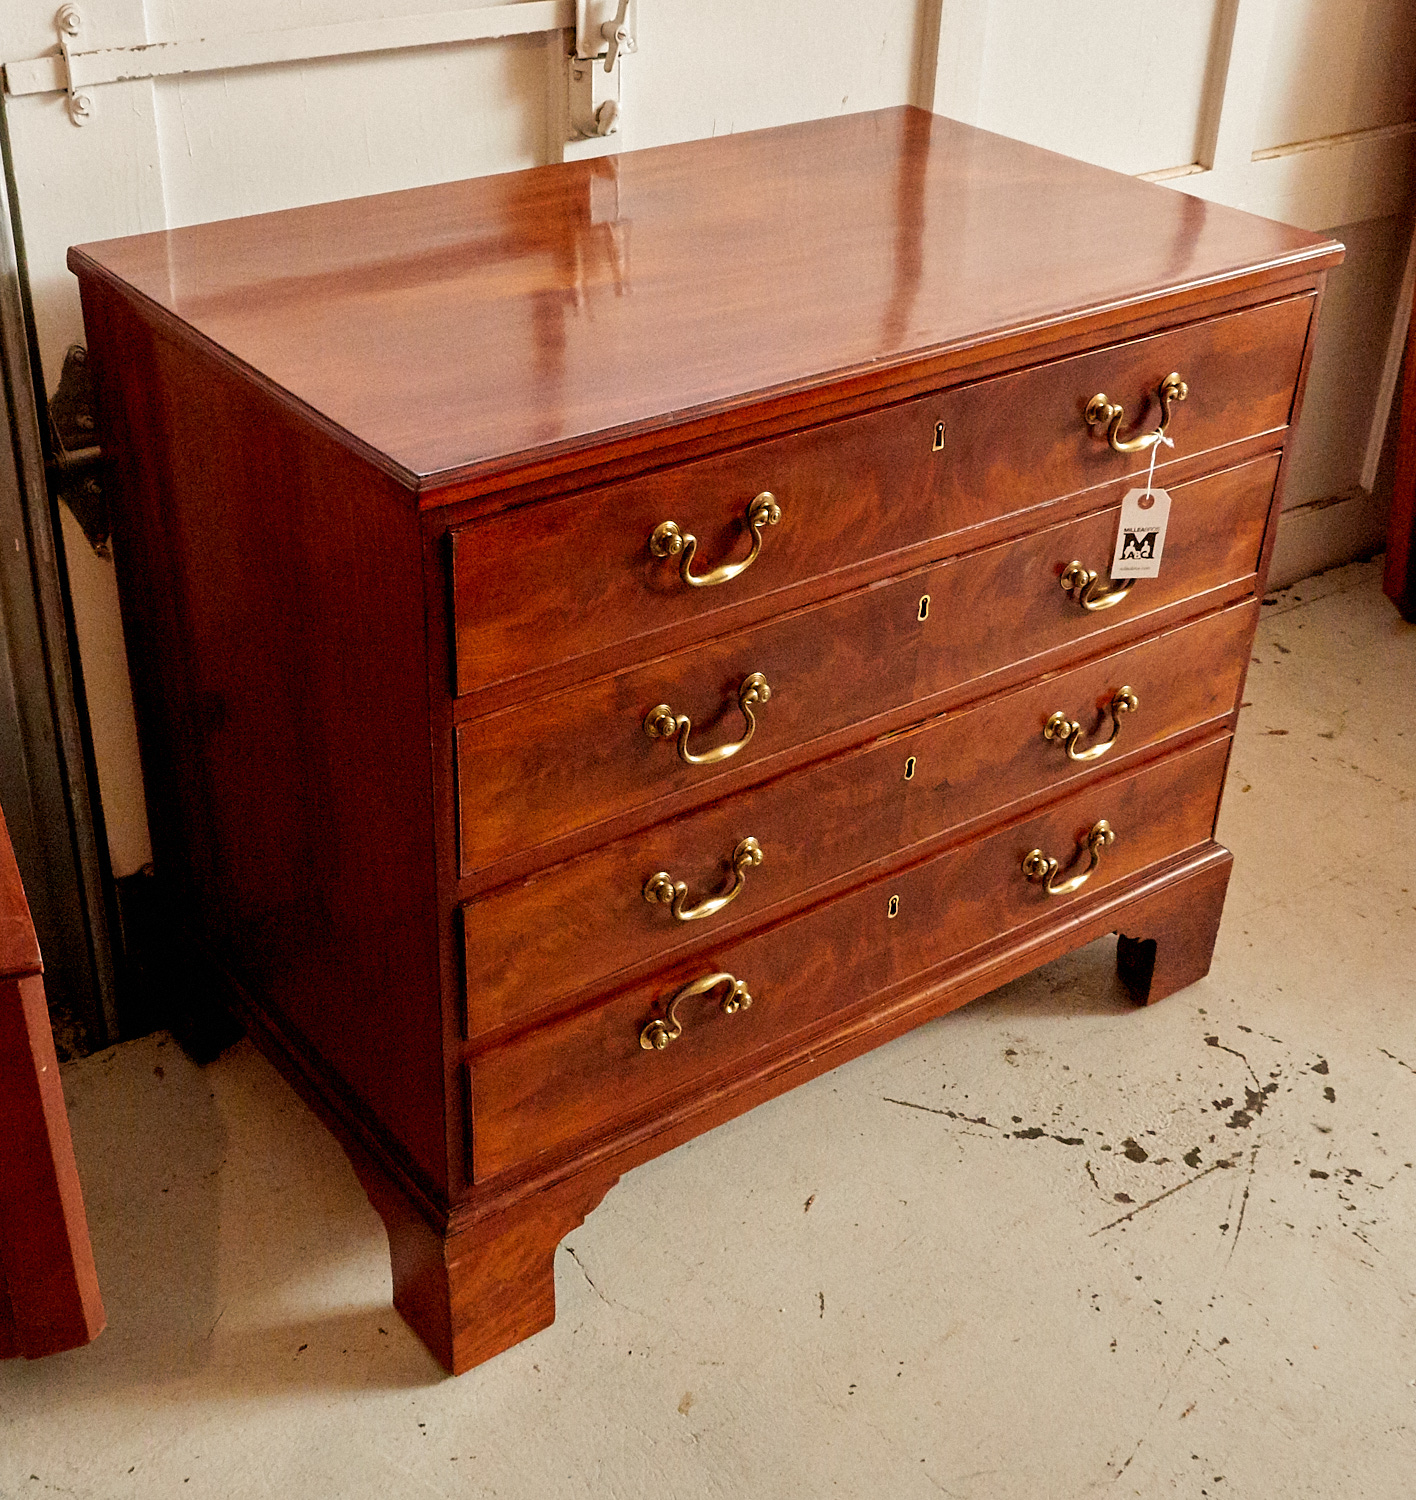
column 76, row 469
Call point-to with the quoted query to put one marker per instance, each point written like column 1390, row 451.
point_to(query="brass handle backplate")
column 1043, row 871
column 1068, row 732
column 663, row 888
column 1081, row 583
column 1102, row 412
column 657, row 1034
column 667, row 540
column 662, row 723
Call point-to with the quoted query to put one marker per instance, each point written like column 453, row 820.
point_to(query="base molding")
column 1326, row 534
column 477, row 1288
column 474, row 1278
column 487, row 1281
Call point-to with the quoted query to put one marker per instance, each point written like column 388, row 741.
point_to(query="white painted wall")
column 1358, row 312
column 1237, row 100
column 1336, row 66
column 1122, row 85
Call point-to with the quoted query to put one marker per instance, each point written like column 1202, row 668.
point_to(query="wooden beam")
column 211, row 54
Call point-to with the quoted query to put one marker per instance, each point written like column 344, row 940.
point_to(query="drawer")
column 557, row 581
column 531, row 773
column 588, row 1074
column 570, row 929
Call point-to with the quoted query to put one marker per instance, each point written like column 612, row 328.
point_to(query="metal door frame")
column 47, row 773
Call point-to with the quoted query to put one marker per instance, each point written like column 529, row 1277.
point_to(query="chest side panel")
column 272, row 596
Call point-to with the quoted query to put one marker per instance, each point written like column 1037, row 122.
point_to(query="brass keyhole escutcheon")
column 923, row 607
column 893, row 909
column 910, row 768
column 938, row 437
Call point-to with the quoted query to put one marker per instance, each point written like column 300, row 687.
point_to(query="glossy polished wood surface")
column 381, row 711
column 850, row 492
column 273, row 609
column 468, row 324
column 538, row 1093
column 840, row 664
column 585, row 924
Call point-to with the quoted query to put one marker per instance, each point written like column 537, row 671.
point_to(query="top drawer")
column 553, row 582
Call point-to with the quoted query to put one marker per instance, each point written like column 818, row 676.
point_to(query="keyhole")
column 894, row 909
column 938, row 436
column 924, row 607
column 909, row 769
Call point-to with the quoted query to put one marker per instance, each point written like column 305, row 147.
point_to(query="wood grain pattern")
column 368, row 454
column 556, row 582
column 272, row 598
column 539, row 1093
column 475, row 1287
column 1142, row 905
column 529, row 774
column 19, row 947
column 1175, row 933
column 627, row 292
column 49, row 1296
column 566, row 931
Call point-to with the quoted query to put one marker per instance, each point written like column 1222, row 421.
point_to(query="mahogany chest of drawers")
column 612, row 641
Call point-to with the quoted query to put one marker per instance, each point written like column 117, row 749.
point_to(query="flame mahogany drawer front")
column 856, row 491
column 571, row 929
column 489, row 799
column 834, row 666
column 591, row 1072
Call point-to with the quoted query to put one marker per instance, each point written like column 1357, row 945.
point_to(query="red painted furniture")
column 614, row 641
column 49, row 1296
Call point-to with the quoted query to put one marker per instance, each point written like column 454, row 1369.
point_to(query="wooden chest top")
column 455, row 331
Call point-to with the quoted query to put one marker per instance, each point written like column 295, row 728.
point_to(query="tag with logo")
column 1140, row 538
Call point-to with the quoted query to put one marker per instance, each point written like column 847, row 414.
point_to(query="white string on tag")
column 1160, row 438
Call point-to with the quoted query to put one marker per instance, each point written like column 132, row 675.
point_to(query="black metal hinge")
column 76, row 467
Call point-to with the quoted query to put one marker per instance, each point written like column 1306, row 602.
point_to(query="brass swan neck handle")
column 1082, row 584
column 1043, row 871
column 662, row 723
column 655, row 1035
column 668, row 540
column 1068, row 732
column 664, row 889
column 1101, row 411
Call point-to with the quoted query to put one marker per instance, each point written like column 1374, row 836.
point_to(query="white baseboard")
column 1325, row 534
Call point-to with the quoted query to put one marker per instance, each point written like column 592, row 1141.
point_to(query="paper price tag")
column 1140, row 539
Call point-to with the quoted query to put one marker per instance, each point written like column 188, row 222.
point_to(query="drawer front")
column 541, row 1094
column 529, row 774
column 557, row 581
column 572, row 928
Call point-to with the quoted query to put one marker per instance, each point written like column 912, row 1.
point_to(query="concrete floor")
column 1046, row 1247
